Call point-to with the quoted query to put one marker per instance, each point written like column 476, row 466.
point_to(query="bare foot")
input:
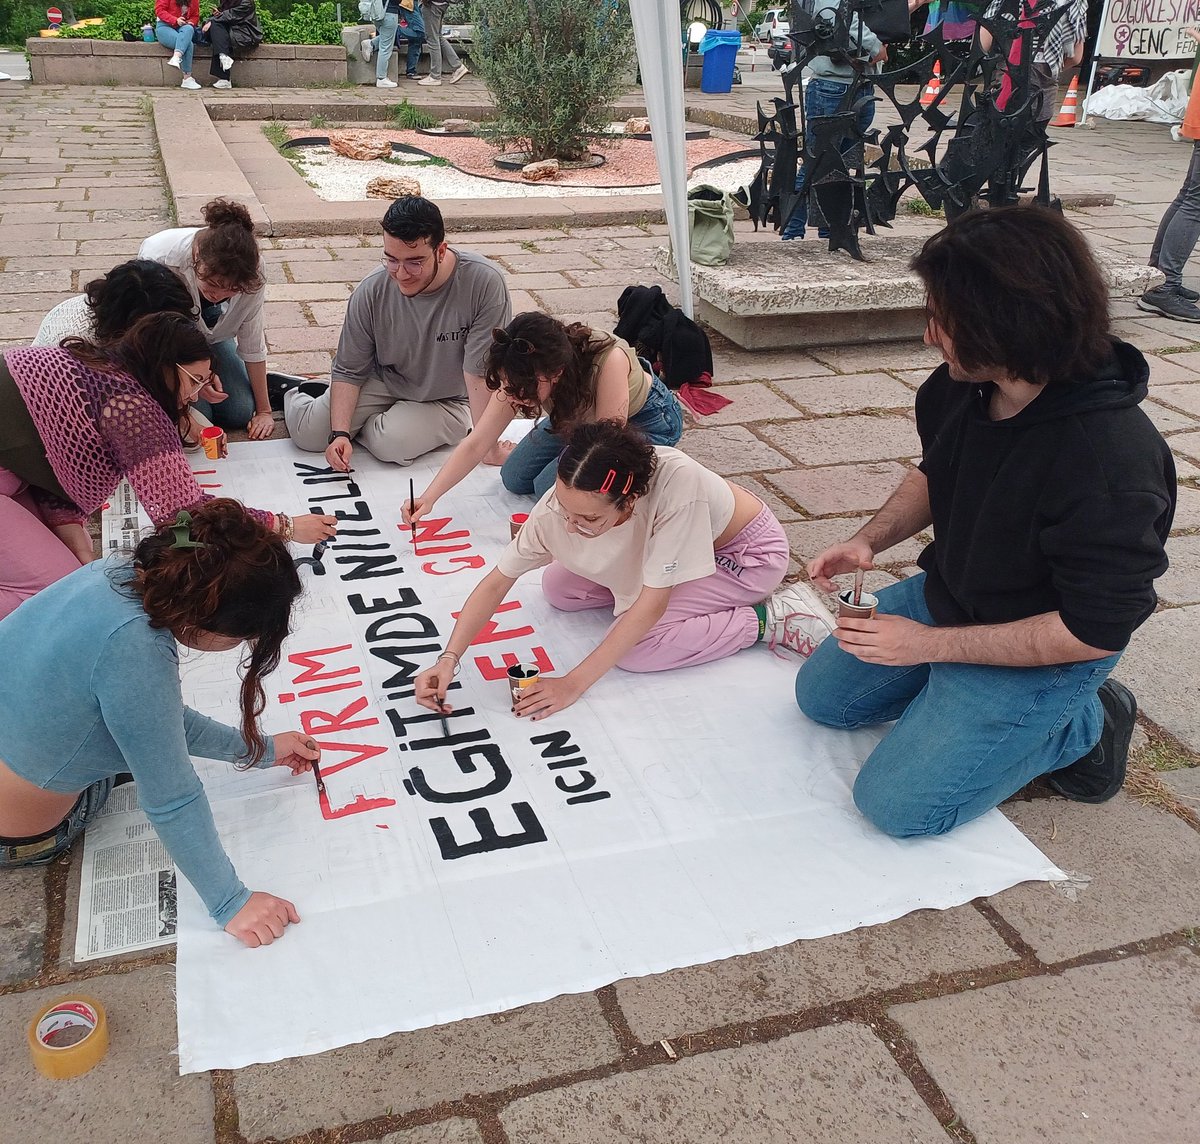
column 499, row 453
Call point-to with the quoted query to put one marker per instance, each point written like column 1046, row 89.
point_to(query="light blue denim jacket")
column 88, row 689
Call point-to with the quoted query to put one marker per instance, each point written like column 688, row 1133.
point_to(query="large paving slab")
column 1104, row 1053
column 134, row 1094
column 1170, row 697
column 456, row 1131
column 807, row 974
column 22, row 923
column 408, row 1071
column 845, row 440
column 835, row 1085
column 1133, row 874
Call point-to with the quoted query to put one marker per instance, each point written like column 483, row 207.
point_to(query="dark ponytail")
column 226, row 249
column 241, row 582
column 609, row 458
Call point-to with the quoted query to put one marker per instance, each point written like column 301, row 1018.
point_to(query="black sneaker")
column 1101, row 772
column 279, row 384
column 1169, row 304
column 1184, row 292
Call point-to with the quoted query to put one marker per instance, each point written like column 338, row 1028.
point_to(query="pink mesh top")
column 98, row 427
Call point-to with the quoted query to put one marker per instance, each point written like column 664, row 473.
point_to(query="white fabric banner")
column 1134, row 30
column 663, row 820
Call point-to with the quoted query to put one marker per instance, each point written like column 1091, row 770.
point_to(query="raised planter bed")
column 95, row 62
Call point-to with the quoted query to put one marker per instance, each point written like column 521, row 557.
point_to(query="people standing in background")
column 175, row 28
column 1179, row 228
column 382, row 44
column 221, row 266
column 957, row 21
column 1062, row 46
column 411, row 29
column 233, row 30
column 441, row 53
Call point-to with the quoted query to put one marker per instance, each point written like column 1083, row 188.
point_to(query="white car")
column 775, row 23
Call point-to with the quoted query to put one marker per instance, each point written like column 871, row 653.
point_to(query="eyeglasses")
column 202, row 275
column 198, row 382
column 412, row 265
column 503, row 338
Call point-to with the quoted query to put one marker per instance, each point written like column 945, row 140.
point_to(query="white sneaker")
column 386, row 83
column 190, row 84
column 430, row 81
column 176, row 61
column 226, row 62
column 222, row 85
column 459, row 72
column 365, row 49
column 797, row 620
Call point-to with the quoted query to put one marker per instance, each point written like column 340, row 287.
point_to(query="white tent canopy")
column 657, row 32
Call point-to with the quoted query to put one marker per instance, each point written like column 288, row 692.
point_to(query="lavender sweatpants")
column 31, row 556
column 705, row 619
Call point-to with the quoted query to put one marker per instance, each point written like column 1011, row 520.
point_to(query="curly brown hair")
column 535, row 346
column 1018, row 289
column 226, row 249
column 241, row 583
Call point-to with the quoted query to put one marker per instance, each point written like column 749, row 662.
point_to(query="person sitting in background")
column 109, row 305
column 222, row 268
column 573, row 373
column 688, row 562
column 76, row 419
column 233, row 30
column 407, row 372
column 176, row 29
column 102, row 646
column 411, row 29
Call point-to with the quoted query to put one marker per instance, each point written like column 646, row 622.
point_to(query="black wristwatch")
column 336, row 434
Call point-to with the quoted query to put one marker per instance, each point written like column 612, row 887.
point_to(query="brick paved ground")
column 1065, row 1014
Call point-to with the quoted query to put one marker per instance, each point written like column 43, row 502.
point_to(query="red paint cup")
column 216, row 444
column 514, row 523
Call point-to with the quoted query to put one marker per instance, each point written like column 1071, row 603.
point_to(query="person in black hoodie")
column 1051, row 496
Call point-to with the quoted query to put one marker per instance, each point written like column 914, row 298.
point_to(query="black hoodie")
column 1064, row 507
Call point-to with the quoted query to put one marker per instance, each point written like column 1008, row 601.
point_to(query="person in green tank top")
column 565, row 376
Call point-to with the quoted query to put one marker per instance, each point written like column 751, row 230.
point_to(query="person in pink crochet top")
column 76, row 419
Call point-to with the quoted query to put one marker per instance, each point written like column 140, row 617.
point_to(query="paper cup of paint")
column 215, row 443
column 521, row 676
column 514, row 523
column 863, row 610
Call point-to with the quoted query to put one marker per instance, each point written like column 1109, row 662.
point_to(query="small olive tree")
column 554, row 69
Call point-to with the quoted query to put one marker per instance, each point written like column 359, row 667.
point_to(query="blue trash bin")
column 719, row 50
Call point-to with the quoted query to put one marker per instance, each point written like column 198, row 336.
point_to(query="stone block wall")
column 115, row 62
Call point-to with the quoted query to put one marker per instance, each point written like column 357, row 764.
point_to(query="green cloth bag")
column 710, row 223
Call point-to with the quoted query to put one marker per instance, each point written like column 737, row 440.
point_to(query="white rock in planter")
column 392, row 187
column 540, row 172
column 361, row 144
column 638, row 125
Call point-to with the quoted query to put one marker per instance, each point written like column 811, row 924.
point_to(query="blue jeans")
column 43, row 848
column 178, row 40
column 237, row 409
column 531, row 467
column 824, row 97
column 384, row 41
column 967, row 735
column 415, row 35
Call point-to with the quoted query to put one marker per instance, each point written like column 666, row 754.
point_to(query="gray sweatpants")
column 390, row 429
column 441, row 51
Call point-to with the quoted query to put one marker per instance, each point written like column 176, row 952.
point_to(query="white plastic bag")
column 1165, row 102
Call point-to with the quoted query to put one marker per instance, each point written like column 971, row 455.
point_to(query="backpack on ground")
column 664, row 334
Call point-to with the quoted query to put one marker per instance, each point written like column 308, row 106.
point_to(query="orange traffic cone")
column 1066, row 114
column 933, row 86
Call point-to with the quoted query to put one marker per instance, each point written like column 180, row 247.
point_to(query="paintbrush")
column 858, row 587
column 442, row 712
column 412, row 507
column 319, row 550
column 312, row 746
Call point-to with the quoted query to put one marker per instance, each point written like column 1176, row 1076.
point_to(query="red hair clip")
column 608, row 481
column 628, row 485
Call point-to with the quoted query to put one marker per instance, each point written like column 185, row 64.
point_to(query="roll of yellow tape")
column 69, row 1037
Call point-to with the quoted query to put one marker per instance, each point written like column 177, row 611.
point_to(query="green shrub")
column 554, row 69
column 405, row 117
column 302, row 25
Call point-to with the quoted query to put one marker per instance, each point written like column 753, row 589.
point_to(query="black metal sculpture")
column 977, row 152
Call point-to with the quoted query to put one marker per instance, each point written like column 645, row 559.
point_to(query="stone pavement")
column 1044, row 1013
